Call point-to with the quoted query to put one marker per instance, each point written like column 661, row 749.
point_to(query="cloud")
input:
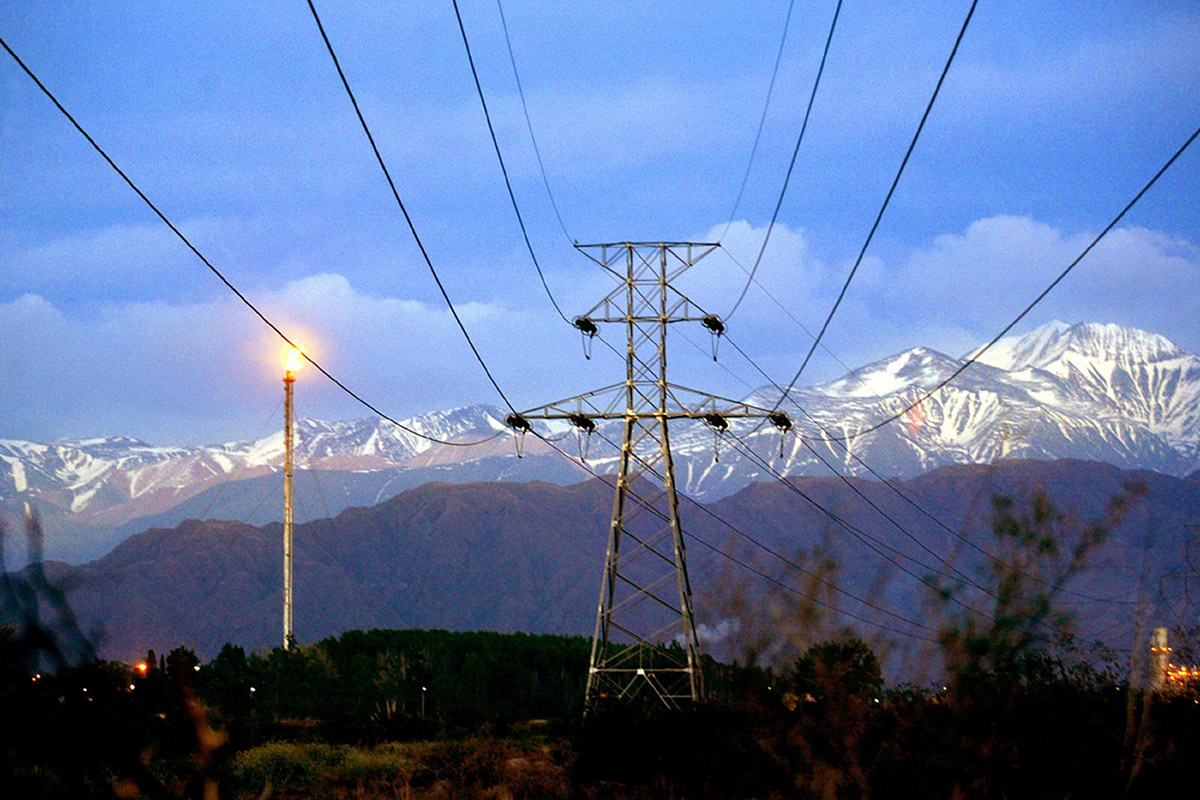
column 951, row 294
column 985, row 275
column 789, row 270
column 207, row 371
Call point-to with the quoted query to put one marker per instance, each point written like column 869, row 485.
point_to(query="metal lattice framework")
column 645, row 643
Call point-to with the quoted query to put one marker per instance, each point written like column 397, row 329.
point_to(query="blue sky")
column 230, row 116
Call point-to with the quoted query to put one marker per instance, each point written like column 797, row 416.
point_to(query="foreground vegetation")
column 342, row 718
column 435, row 714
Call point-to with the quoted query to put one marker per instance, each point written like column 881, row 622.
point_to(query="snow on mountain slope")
column 1087, row 391
column 1134, row 375
column 96, row 476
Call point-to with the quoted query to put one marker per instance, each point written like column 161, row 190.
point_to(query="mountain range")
column 1087, row 391
column 529, row 556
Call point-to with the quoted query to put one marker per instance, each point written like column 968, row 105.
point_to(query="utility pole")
column 645, row 644
column 292, row 364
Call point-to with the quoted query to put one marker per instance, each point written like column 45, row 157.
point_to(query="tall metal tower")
column 292, row 364
column 645, row 643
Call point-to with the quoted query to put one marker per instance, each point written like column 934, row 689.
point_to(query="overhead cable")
column 791, row 165
column 870, row 542
column 503, row 169
column 228, row 284
column 863, row 538
column 827, row 436
column 888, row 198
column 763, row 117
column 772, row 551
column 817, row 601
column 396, row 194
column 1024, row 312
column 529, row 125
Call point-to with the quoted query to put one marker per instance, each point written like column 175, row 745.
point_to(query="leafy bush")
column 286, row 766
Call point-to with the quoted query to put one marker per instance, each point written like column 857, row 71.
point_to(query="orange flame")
column 294, row 361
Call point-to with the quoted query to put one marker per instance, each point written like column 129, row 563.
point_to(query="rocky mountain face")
column 528, row 557
column 1086, row 391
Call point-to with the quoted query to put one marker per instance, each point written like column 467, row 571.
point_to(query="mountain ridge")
column 529, row 556
column 1089, row 390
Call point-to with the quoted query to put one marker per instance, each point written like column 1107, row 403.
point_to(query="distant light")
column 197, row 668
column 251, row 688
column 132, row 687
column 294, row 360
column 422, row 688
column 141, row 667
column 85, row 688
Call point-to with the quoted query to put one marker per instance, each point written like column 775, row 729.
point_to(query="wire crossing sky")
column 227, row 115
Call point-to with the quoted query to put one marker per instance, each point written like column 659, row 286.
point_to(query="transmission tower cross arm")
column 682, row 255
column 608, row 404
column 644, row 292
column 615, row 308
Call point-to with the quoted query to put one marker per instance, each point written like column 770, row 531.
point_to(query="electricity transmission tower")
column 645, row 643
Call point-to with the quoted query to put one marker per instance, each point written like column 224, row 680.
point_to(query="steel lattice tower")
column 645, row 643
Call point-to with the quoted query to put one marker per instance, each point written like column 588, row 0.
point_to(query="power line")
column 762, row 118
column 396, row 194
column 795, row 151
column 503, row 169
column 787, row 312
column 902, row 495
column 780, row 556
column 228, row 284
column 849, row 372
column 863, row 537
column 852, row 373
column 883, row 479
column 869, row 541
column 529, row 125
column 814, row 600
column 744, row 565
column 1041, row 296
column 887, row 199
column 816, row 423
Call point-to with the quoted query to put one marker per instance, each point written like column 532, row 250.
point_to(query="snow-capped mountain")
column 1089, row 391
column 1137, row 376
column 114, row 479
